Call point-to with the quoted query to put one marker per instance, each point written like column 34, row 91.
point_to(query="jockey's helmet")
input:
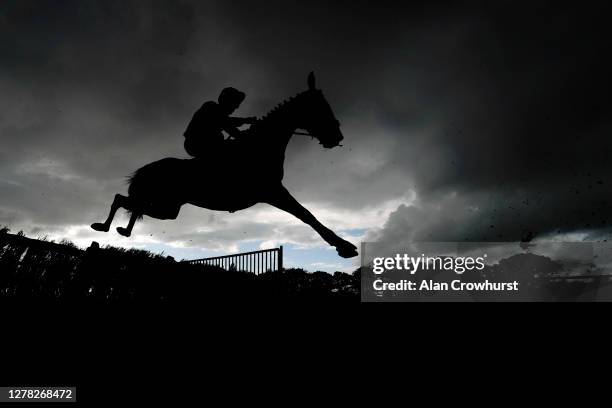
column 231, row 97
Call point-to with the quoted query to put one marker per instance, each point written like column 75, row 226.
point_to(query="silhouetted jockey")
column 204, row 133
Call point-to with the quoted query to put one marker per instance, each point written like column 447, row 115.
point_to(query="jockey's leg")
column 283, row 200
column 126, row 232
column 118, row 202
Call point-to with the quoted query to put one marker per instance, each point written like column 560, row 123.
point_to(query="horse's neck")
column 281, row 123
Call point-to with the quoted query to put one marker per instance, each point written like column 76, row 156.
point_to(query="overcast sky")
column 472, row 122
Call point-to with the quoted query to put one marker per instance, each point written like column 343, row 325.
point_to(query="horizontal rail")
column 231, row 255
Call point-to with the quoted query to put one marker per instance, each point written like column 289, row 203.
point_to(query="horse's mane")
column 281, row 106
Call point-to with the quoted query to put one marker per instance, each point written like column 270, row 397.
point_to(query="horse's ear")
column 311, row 81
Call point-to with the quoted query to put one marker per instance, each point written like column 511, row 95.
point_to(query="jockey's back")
column 204, row 132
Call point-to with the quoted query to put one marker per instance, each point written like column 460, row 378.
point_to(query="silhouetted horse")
column 247, row 173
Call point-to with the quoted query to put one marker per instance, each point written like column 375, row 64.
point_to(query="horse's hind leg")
column 126, row 232
column 118, row 202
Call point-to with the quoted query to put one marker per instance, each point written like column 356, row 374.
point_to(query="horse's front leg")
column 283, row 200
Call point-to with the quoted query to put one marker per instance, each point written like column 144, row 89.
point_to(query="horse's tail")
column 149, row 183
column 145, row 181
column 131, row 180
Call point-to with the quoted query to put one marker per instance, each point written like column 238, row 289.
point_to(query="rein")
column 308, row 134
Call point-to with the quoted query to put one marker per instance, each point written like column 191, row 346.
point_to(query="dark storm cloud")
column 98, row 88
column 502, row 104
column 477, row 108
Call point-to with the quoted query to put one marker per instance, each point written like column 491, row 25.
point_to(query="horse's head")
column 318, row 118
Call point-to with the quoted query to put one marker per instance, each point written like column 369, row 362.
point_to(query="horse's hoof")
column 347, row 250
column 98, row 226
column 123, row 231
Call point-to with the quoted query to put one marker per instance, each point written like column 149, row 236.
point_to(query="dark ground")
column 38, row 270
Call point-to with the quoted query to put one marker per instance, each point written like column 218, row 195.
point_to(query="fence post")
column 280, row 258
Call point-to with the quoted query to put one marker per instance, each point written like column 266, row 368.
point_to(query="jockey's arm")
column 232, row 131
column 237, row 122
column 233, row 123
